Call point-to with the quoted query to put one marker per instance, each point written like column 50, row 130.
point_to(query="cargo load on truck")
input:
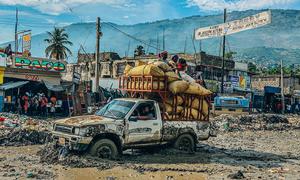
column 180, row 99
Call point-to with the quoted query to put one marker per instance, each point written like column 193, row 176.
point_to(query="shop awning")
column 54, row 87
column 12, row 85
column 271, row 89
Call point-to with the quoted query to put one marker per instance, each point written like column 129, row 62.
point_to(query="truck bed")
column 156, row 88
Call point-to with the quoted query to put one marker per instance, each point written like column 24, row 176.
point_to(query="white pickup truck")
column 127, row 123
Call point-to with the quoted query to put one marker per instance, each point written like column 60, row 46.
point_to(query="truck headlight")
column 76, row 130
column 79, row 131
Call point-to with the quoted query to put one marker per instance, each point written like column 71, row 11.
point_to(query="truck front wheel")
column 185, row 142
column 105, row 149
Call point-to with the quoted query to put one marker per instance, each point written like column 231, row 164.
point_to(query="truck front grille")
column 64, row 129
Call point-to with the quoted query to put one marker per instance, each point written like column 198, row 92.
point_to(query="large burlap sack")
column 163, row 66
column 172, row 76
column 169, row 109
column 197, row 89
column 192, row 113
column 186, row 77
column 195, row 105
column 178, row 86
column 140, row 63
column 127, row 69
column 149, row 86
column 179, row 100
column 146, row 70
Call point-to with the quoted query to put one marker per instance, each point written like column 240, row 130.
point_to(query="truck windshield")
column 116, row 109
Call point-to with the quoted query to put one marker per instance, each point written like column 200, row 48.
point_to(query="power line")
column 137, row 39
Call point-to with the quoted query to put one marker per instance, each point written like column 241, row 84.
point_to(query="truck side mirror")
column 133, row 118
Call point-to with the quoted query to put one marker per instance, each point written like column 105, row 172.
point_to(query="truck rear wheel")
column 185, row 142
column 105, row 149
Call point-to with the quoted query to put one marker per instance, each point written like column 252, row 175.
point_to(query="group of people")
column 35, row 105
column 179, row 65
column 293, row 108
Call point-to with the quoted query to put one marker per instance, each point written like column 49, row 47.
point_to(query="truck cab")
column 127, row 123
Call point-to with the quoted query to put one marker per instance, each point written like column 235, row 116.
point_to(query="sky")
column 42, row 15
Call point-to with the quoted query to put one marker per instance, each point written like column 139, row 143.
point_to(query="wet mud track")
column 249, row 154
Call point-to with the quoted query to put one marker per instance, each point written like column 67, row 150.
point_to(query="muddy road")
column 249, row 154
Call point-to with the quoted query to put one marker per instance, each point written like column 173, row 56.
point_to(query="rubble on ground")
column 226, row 122
column 17, row 130
column 50, row 154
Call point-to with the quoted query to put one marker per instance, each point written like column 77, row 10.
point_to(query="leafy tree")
column 57, row 44
column 252, row 68
column 230, row 54
column 139, row 51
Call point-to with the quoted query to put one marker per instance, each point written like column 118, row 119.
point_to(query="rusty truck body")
column 130, row 123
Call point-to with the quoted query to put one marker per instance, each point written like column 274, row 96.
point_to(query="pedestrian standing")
column 44, row 102
column 53, row 101
column 25, row 99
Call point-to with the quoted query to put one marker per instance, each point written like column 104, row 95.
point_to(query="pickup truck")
column 127, row 123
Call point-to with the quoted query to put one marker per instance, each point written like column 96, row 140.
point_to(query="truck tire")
column 105, row 149
column 185, row 142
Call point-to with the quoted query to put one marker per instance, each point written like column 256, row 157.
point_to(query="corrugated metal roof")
column 12, row 85
column 54, row 87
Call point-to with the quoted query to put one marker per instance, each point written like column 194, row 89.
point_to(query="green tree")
column 252, row 68
column 58, row 41
column 229, row 55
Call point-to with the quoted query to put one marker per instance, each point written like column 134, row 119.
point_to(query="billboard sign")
column 3, row 59
column 234, row 81
column 26, row 42
column 39, row 64
column 236, row 26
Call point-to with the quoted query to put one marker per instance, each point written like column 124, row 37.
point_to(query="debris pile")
column 226, row 122
column 17, row 130
column 51, row 155
column 24, row 137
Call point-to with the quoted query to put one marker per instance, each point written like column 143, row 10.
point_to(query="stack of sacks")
column 183, row 87
column 157, row 69
column 186, row 107
column 175, row 85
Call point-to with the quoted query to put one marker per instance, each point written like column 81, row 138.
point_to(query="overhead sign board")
column 236, row 26
column 26, row 43
column 76, row 78
column 39, row 64
column 3, row 59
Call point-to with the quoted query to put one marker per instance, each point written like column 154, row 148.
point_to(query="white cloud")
column 58, row 6
column 216, row 5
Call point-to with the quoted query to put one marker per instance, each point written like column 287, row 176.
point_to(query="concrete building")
column 291, row 84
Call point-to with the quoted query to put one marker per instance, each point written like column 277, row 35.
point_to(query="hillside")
column 278, row 40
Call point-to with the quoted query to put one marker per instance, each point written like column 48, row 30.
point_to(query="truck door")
column 144, row 124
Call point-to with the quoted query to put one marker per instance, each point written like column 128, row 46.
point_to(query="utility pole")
column 184, row 49
column 16, row 31
column 157, row 45
column 200, row 46
column 128, row 49
column 282, row 88
column 164, row 43
column 223, row 58
column 97, row 56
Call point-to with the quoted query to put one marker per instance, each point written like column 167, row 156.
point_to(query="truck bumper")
column 72, row 142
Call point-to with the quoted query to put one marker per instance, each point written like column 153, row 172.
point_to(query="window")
column 116, row 109
column 144, row 111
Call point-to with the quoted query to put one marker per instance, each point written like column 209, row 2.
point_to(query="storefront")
column 33, row 76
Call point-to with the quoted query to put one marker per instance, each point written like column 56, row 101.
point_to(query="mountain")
column 280, row 39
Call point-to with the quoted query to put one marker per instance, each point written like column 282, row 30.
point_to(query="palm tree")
column 58, row 41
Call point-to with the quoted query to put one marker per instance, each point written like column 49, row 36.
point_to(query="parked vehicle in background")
column 231, row 105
